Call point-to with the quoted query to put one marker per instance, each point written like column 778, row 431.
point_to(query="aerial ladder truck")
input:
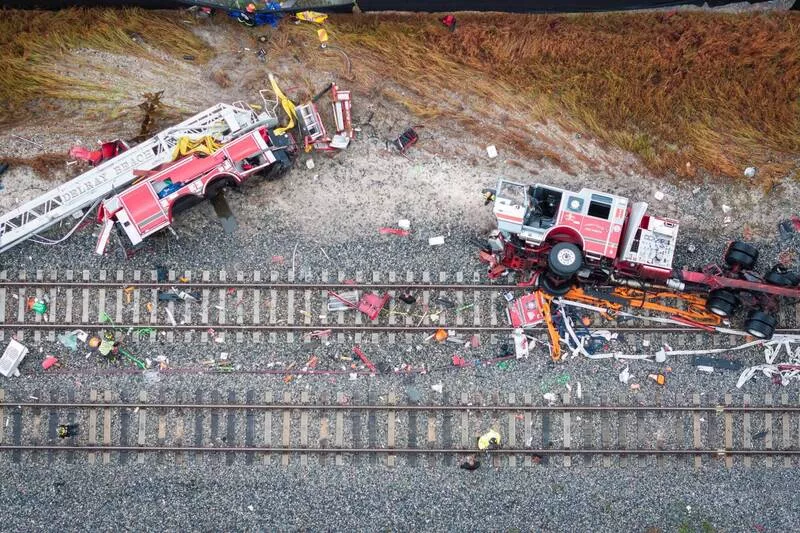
column 223, row 122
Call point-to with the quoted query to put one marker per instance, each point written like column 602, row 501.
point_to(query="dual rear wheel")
column 724, row 303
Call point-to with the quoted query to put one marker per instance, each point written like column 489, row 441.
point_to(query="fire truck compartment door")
column 142, row 214
column 247, row 146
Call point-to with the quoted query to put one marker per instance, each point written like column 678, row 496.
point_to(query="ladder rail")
column 222, row 120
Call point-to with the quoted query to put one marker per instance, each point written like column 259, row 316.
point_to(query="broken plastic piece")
column 436, row 241
column 49, row 362
column 625, row 375
column 658, row 378
column 491, row 150
column 440, row 335
column 69, row 340
column 13, row 355
column 394, row 231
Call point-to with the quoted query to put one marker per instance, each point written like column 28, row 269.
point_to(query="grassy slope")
column 683, row 91
column 717, row 91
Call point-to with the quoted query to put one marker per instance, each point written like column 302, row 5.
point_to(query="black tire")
column 722, row 302
column 782, row 277
column 564, row 260
column 742, row 255
column 760, row 325
column 553, row 288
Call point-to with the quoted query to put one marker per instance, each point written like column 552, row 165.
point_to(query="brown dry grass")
column 34, row 43
column 719, row 91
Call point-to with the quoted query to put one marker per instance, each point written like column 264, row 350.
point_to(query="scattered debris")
column 357, row 350
column 437, row 388
column 406, row 139
column 625, row 375
column 658, row 195
column 550, row 397
column 491, row 150
column 450, row 22
column 50, row 362
column 787, row 227
column 436, row 241
column 311, row 16
column 750, row 172
column 13, row 355
column 309, row 164
column 404, row 224
column 394, row 231
column 658, row 378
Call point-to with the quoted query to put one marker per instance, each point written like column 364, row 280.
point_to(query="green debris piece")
column 563, row 379
column 506, row 365
column 39, row 307
column 141, row 364
column 464, row 308
column 143, row 331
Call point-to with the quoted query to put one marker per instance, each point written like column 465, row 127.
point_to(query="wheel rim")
column 566, row 257
column 756, row 333
column 718, row 311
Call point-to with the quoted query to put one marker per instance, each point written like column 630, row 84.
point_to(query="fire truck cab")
column 150, row 205
column 587, row 233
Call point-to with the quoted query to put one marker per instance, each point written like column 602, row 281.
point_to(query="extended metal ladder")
column 222, row 121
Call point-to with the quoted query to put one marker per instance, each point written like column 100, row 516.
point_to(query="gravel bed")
column 194, row 497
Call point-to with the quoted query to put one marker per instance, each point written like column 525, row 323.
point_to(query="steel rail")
column 340, row 327
column 721, row 452
column 433, row 408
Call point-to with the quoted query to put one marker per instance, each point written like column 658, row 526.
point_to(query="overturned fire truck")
column 562, row 238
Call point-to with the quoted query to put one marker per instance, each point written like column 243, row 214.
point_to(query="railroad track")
column 274, row 428
column 264, row 305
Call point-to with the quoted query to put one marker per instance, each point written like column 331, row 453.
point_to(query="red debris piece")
column 95, row 157
column 450, row 22
column 394, row 231
column 364, row 358
column 49, row 362
column 277, row 259
column 459, row 361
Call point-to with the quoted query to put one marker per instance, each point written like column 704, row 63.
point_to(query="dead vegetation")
column 33, row 45
column 683, row 91
column 43, row 164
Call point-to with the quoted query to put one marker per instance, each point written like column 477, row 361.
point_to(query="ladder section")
column 222, row 121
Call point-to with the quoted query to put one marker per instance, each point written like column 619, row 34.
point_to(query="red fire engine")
column 562, row 238
column 151, row 204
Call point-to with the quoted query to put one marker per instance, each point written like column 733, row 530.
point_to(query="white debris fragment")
column 404, row 224
column 625, row 375
column 438, row 387
column 578, row 391
column 171, row 318
column 750, row 172
column 223, row 356
column 436, row 241
column 658, row 195
column 726, row 209
column 646, row 343
column 703, row 368
column 353, row 376
column 550, row 397
column 491, row 150
column 310, row 164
